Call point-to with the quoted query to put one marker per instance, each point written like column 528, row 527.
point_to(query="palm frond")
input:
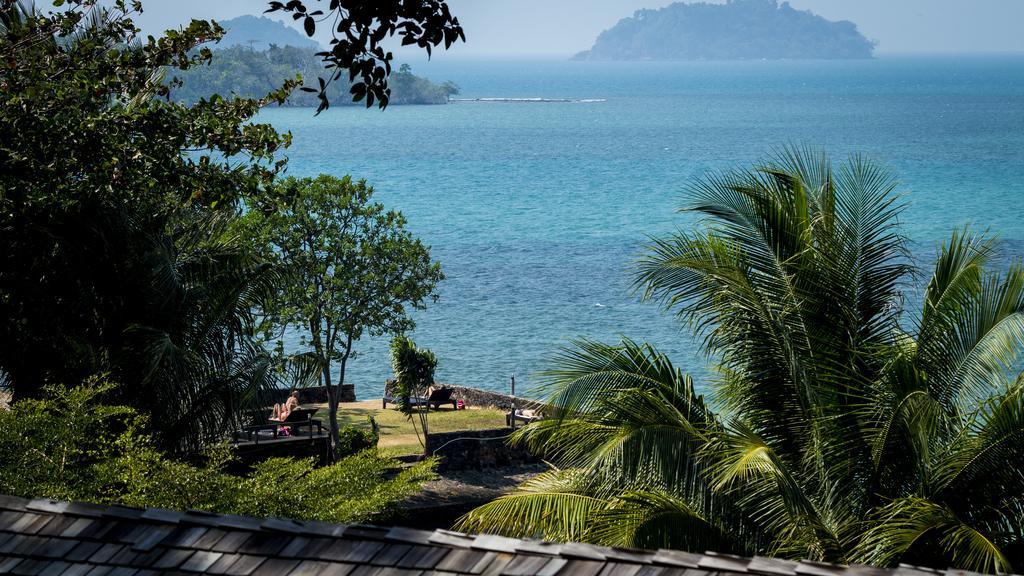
column 980, row 340
column 652, row 520
column 975, row 470
column 769, row 493
column 623, row 412
column 957, row 276
column 554, row 505
column 905, row 527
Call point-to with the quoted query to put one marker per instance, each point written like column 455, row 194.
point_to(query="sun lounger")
column 525, row 417
column 436, row 399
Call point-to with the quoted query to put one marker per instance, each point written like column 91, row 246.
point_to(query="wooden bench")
column 297, row 419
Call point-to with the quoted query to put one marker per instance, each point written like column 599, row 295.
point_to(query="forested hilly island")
column 242, row 71
column 260, row 32
column 736, row 30
column 257, row 54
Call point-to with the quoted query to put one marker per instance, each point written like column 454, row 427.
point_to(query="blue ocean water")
column 536, row 210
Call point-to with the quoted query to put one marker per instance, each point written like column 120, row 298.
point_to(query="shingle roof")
column 48, row 537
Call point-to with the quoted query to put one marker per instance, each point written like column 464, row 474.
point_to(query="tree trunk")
column 332, row 411
column 337, row 397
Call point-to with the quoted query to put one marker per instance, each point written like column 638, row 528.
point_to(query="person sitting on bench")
column 281, row 412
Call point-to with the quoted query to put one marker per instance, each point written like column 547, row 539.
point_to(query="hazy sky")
column 562, row 27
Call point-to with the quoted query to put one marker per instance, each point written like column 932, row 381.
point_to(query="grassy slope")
column 397, row 434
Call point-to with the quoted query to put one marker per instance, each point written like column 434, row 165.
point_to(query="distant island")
column 257, row 55
column 260, row 32
column 736, row 30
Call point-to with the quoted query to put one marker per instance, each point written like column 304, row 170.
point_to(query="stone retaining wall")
column 477, row 398
column 313, row 394
column 476, row 450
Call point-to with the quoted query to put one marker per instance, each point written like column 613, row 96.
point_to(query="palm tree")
column 839, row 428
column 191, row 355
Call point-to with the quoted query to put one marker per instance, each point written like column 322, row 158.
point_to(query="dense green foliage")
column 349, row 267
column 70, row 446
column 736, row 30
column 414, row 375
column 359, row 30
column 241, row 71
column 116, row 254
column 841, row 428
column 119, row 255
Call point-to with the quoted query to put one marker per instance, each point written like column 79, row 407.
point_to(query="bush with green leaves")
column 841, row 427
column 71, row 446
column 353, row 439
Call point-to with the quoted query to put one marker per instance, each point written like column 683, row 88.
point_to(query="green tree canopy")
column 840, row 429
column 115, row 251
column 351, row 268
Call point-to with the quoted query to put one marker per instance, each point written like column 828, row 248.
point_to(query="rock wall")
column 476, row 450
column 312, row 395
column 477, row 398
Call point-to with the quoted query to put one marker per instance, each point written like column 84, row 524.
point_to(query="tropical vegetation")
column 851, row 419
column 73, row 444
column 117, row 257
column 149, row 243
column 350, row 267
column 120, row 252
column 123, row 264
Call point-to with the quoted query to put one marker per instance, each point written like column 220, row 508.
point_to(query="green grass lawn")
column 397, row 436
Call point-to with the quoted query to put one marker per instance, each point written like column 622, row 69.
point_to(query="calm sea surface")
column 536, row 210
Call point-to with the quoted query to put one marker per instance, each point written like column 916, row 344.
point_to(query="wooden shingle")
column 45, row 537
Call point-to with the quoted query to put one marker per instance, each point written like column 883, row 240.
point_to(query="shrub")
column 353, row 439
column 69, row 446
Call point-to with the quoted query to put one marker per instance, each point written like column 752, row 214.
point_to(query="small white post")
column 513, row 417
